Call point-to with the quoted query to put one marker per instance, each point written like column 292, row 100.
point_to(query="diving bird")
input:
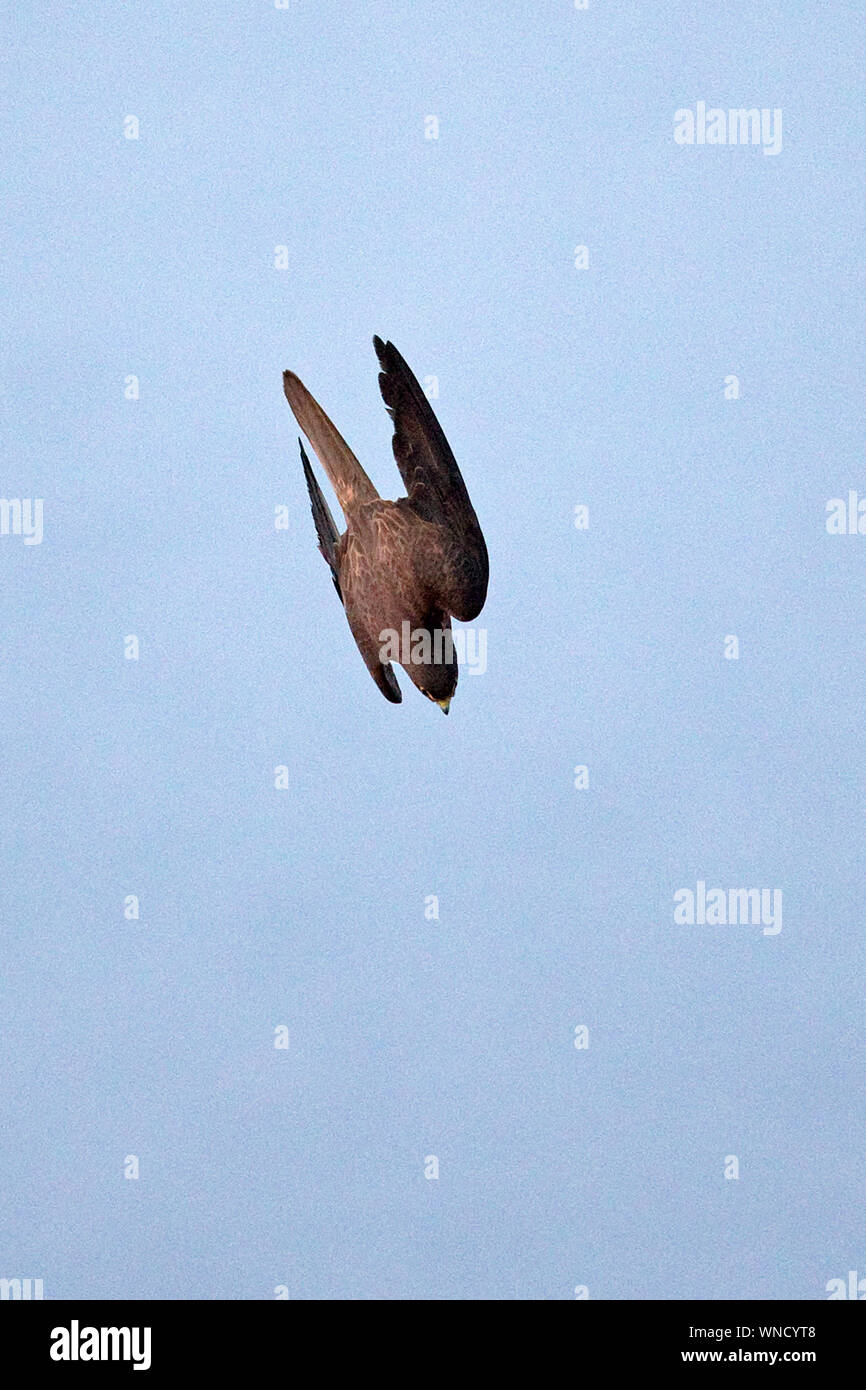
column 402, row 569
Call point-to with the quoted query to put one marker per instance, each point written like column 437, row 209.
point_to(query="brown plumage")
column 420, row 560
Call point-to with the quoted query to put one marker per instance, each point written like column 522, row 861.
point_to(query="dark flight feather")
column 326, row 529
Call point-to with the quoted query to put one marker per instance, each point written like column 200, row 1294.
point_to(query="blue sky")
column 559, row 1167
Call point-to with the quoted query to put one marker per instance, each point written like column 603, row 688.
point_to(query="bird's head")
column 435, row 679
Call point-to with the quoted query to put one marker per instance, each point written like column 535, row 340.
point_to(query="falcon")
column 402, row 569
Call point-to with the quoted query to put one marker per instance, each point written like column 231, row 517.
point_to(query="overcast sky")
column 693, row 378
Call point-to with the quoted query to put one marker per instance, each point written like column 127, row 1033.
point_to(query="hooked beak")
column 444, row 705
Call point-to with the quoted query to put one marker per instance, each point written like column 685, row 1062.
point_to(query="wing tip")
column 308, row 470
column 295, row 392
column 384, row 351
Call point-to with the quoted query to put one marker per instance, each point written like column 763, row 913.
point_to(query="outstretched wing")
column 329, row 545
column 435, row 485
column 352, row 487
column 347, row 477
